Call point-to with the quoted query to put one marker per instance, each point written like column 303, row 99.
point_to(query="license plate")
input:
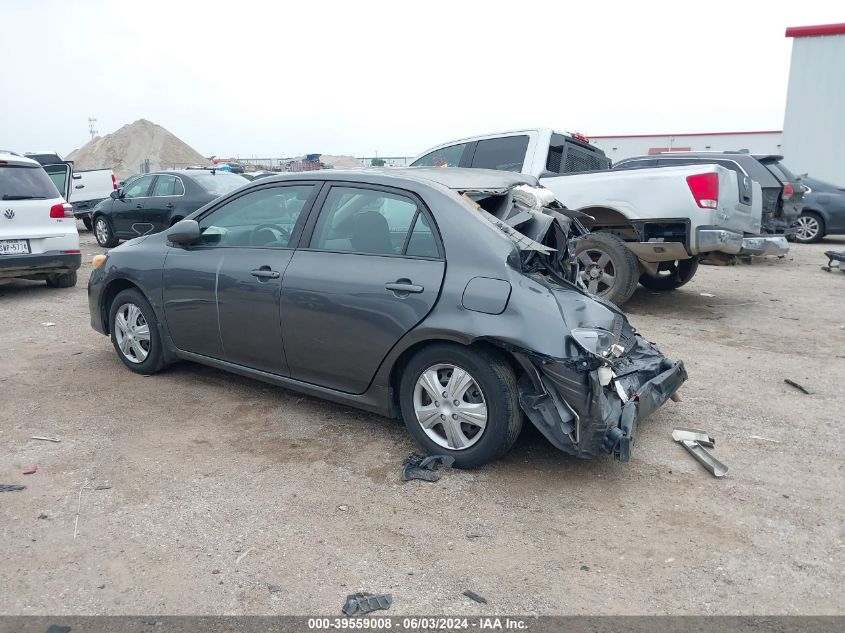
column 14, row 247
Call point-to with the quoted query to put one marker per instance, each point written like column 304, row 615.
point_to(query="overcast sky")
column 254, row 78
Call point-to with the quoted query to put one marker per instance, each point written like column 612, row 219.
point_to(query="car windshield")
column 778, row 166
column 26, row 183
column 218, row 184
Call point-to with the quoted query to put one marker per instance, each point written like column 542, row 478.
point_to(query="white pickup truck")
column 88, row 187
column 648, row 226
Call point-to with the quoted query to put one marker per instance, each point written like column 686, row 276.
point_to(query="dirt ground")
column 222, row 486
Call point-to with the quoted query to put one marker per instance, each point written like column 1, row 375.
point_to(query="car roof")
column 10, row 158
column 456, row 178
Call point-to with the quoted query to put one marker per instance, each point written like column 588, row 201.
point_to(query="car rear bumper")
column 720, row 240
column 765, row 245
column 568, row 402
column 49, row 263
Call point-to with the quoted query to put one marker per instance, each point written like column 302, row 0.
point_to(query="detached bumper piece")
column 765, row 245
column 710, row 240
column 585, row 406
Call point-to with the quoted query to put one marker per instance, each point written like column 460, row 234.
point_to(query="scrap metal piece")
column 834, row 256
column 363, row 602
column 679, row 434
column 474, row 596
column 713, row 465
column 11, row 488
column 798, row 386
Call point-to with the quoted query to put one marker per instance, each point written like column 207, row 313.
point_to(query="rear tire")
column 610, row 269
column 67, row 280
column 104, row 233
column 675, row 275
column 490, row 385
column 810, row 228
column 134, row 333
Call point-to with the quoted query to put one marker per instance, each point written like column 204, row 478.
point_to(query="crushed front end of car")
column 589, row 399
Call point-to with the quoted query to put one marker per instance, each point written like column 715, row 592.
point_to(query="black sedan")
column 823, row 212
column 446, row 297
column 152, row 202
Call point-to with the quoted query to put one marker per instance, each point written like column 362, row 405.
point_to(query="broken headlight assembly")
column 594, row 341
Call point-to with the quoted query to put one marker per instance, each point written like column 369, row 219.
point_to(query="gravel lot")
column 222, row 486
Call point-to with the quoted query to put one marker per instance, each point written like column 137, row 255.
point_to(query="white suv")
column 38, row 236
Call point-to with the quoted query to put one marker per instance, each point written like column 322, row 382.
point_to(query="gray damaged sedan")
column 445, row 297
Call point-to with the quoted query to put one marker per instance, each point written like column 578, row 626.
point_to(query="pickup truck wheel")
column 104, row 234
column 810, row 228
column 608, row 268
column 670, row 275
column 86, row 222
column 67, row 280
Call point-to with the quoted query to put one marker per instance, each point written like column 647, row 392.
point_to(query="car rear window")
column 506, row 153
column 781, row 171
column 25, row 183
column 218, row 184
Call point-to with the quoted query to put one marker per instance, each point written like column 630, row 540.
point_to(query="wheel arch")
column 398, row 367
column 115, row 287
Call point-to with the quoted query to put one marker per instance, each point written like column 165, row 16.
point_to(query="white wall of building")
column 814, row 122
column 619, row 147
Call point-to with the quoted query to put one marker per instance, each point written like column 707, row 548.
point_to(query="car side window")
column 138, row 188
column 166, row 186
column 422, row 242
column 358, row 220
column 262, row 218
column 443, row 157
column 506, row 153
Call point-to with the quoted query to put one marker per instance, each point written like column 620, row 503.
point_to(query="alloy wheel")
column 132, row 332
column 450, row 406
column 102, row 231
column 599, row 273
column 808, row 228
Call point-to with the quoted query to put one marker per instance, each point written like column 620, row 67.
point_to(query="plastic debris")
column 474, row 596
column 48, row 324
column 31, row 470
column 44, row 438
column 416, row 466
column 364, row 602
column 798, row 386
column 11, row 488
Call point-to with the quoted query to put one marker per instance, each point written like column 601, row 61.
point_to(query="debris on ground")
column 48, row 324
column 11, row 488
column 832, row 256
column 43, row 516
column 765, row 439
column 694, row 441
column 274, row 588
column 707, row 294
column 363, row 602
column 798, row 386
column 44, row 438
column 78, row 509
column 31, row 470
column 474, row 596
column 417, row 466
column 241, row 557
column 103, row 486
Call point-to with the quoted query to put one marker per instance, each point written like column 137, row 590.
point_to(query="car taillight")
column 62, row 210
column 788, row 190
column 114, row 182
column 705, row 189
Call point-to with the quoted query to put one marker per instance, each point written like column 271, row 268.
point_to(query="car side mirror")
column 184, row 232
column 114, row 195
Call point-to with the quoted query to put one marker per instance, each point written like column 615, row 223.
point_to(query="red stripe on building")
column 685, row 134
column 817, row 30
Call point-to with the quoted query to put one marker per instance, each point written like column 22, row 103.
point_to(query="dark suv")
column 782, row 190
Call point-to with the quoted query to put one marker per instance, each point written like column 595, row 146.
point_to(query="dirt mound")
column 128, row 147
column 341, row 162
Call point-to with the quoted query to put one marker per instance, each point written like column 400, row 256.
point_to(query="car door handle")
column 139, row 206
column 169, row 205
column 403, row 285
column 265, row 273
column 79, row 186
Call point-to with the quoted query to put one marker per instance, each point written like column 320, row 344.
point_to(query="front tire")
column 609, row 268
column 810, row 228
column 103, row 233
column 478, row 419
column 134, row 333
column 670, row 275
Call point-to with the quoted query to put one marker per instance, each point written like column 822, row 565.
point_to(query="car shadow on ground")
column 12, row 288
